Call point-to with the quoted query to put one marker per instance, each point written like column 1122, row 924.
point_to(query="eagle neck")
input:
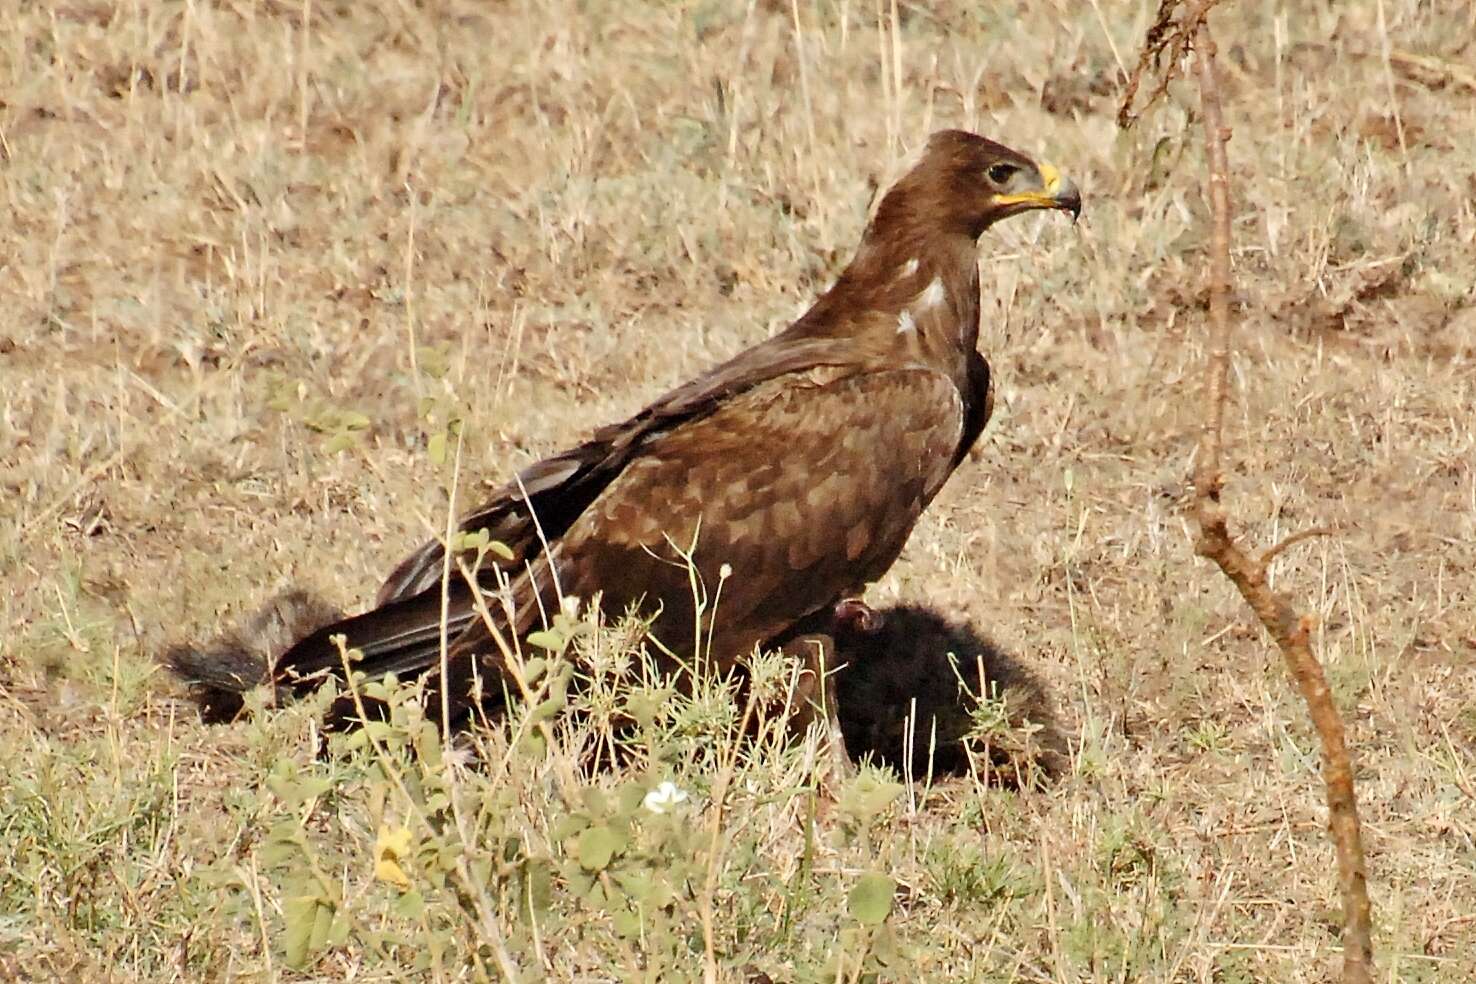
column 897, row 270
column 926, row 282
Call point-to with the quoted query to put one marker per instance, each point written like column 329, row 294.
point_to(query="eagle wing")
column 405, row 628
column 557, row 490
column 728, row 530
column 804, row 487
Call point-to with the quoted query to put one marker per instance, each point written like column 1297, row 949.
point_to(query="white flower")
column 664, row 798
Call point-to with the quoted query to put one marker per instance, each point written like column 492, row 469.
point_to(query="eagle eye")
column 1001, row 174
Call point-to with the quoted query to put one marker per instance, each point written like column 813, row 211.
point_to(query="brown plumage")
column 800, row 466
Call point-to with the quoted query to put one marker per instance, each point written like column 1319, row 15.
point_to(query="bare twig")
column 1431, row 71
column 1173, row 35
column 1385, row 49
column 1292, row 541
column 1167, row 41
column 1249, row 574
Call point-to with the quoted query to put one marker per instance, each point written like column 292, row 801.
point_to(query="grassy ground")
column 248, row 242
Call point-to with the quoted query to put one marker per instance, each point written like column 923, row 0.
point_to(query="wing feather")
column 557, row 490
column 765, row 487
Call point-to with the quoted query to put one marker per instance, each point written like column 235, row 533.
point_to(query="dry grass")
column 231, row 224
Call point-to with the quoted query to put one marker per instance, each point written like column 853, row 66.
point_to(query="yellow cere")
column 1050, row 178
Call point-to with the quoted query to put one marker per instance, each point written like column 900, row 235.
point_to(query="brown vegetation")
column 264, row 259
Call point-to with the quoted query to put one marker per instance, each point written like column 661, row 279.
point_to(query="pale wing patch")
column 787, row 522
column 908, row 269
column 933, row 295
column 826, row 490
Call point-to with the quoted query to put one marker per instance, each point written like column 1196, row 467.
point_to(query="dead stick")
column 1248, row 573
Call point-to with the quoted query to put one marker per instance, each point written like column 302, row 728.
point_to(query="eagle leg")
column 852, row 615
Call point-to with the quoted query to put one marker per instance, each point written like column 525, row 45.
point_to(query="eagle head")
column 967, row 183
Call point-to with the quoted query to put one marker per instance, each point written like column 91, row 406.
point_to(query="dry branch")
column 1431, row 71
column 1167, row 42
column 1177, row 36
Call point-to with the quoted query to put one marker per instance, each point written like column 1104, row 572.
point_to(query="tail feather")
column 400, row 637
column 294, row 643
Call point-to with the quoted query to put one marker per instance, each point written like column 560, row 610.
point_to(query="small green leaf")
column 298, row 914
column 433, row 361
column 309, row 920
column 568, row 825
column 546, row 710
column 597, row 846
column 626, row 923
column 866, row 796
column 580, row 883
column 595, row 801
column 337, row 930
column 638, row 886
column 284, row 835
column 437, row 448
column 534, row 744
column 379, row 730
column 341, row 441
column 295, row 792
column 870, row 899
column 628, row 797
column 548, row 639
column 275, row 852
column 472, row 540
column 645, row 705
column 540, row 884
column 410, row 905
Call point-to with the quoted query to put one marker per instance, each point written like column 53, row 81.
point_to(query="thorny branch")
column 1168, row 41
column 1178, row 36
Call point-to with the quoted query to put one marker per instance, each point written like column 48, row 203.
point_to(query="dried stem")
column 1249, row 573
column 1291, row 541
column 1168, row 40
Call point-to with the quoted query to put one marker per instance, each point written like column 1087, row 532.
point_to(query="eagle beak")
column 1056, row 191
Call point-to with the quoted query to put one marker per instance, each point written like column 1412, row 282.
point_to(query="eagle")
column 738, row 505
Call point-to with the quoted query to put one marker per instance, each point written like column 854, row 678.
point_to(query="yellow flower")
column 390, row 848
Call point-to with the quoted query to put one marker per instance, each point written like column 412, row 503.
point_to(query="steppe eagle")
column 789, row 476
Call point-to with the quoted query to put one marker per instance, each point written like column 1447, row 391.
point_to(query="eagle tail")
column 292, row 643
column 406, row 638
column 296, row 643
